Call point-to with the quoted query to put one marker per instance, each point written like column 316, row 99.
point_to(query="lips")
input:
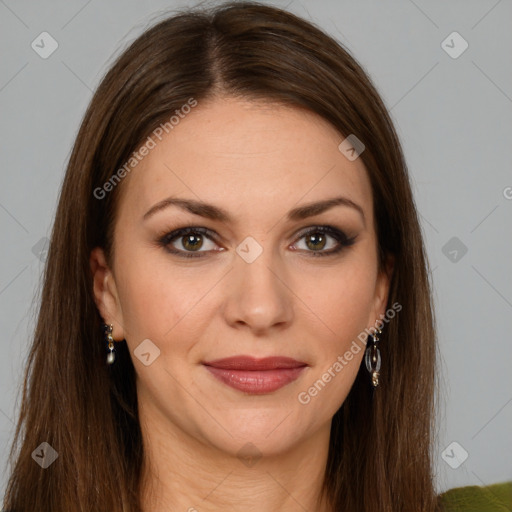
column 252, row 364
column 256, row 376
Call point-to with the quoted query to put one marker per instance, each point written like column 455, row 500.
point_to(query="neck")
column 181, row 472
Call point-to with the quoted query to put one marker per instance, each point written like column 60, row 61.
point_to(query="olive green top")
column 473, row 498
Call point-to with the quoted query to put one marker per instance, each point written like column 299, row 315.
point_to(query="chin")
column 255, row 438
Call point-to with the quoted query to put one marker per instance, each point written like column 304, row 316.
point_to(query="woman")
column 236, row 312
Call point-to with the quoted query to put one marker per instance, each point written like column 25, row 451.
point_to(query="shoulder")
column 473, row 498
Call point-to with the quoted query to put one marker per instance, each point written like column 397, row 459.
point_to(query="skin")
column 257, row 161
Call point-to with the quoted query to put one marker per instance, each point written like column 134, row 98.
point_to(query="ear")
column 105, row 293
column 382, row 286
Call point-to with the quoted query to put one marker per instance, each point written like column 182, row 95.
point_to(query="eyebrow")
column 213, row 212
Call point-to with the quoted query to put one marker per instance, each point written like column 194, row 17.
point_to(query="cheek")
column 158, row 297
column 343, row 299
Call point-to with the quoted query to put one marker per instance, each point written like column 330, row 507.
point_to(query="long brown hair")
column 380, row 447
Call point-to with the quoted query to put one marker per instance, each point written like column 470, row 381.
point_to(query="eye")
column 319, row 238
column 189, row 242
column 194, row 242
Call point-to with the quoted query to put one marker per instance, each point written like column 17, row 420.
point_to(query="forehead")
column 247, row 157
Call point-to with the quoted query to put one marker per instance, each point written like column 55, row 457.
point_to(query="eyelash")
column 335, row 233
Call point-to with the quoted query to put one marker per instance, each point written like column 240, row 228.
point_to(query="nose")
column 257, row 295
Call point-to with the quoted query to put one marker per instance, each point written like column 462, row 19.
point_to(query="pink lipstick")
column 256, row 376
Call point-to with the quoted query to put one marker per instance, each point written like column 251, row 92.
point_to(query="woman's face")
column 248, row 280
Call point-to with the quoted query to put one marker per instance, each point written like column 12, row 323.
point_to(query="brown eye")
column 192, row 242
column 324, row 241
column 189, row 242
column 316, row 241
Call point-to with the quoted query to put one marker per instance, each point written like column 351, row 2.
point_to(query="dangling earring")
column 372, row 357
column 111, row 356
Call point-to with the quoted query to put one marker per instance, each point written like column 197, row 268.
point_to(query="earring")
column 372, row 357
column 111, row 356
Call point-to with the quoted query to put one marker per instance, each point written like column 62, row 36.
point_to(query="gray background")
column 454, row 117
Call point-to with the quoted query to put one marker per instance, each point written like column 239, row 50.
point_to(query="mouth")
column 256, row 376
